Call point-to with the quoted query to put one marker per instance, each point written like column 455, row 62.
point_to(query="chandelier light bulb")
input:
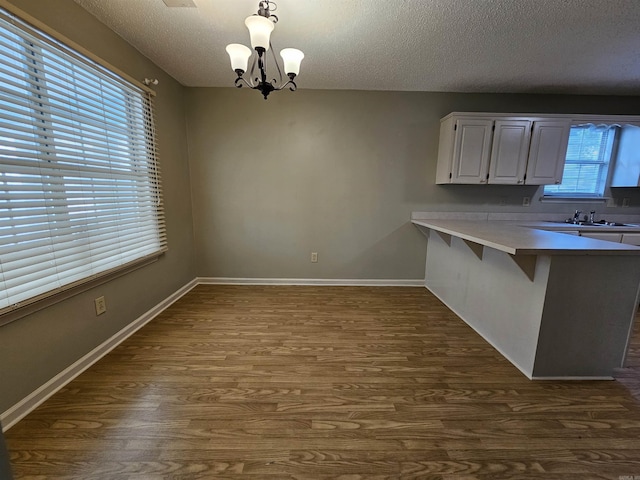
column 260, row 29
column 291, row 58
column 239, row 55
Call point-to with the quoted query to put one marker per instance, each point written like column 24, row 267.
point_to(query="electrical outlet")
column 626, row 202
column 526, row 201
column 314, row 257
column 101, row 305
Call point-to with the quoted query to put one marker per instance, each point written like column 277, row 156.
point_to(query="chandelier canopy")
column 260, row 26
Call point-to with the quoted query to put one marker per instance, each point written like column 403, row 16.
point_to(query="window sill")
column 581, row 199
column 83, row 286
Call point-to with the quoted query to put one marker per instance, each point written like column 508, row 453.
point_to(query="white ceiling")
column 532, row 46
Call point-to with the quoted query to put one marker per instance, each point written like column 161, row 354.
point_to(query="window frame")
column 42, row 33
column 581, row 119
column 610, row 164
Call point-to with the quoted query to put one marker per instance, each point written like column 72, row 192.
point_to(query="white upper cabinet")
column 464, row 148
column 471, row 150
column 626, row 171
column 549, row 142
column 497, row 149
column 510, row 151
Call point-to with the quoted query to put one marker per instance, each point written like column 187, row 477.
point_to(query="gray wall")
column 339, row 173
column 36, row 348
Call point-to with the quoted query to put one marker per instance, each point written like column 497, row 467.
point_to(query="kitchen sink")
column 601, row 223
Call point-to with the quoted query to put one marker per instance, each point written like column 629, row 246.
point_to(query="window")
column 79, row 179
column 587, row 163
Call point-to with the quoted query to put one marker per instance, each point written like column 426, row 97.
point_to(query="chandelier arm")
column 293, row 86
column 241, row 80
column 275, row 60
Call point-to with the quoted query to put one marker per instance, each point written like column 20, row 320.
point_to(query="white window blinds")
column 80, row 189
column 587, row 161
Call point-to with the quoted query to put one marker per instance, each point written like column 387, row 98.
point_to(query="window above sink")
column 589, row 154
column 599, row 156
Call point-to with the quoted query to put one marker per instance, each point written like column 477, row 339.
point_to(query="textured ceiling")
column 536, row 46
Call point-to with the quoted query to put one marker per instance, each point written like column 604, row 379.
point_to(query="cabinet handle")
column 482, row 181
column 519, row 181
column 557, row 182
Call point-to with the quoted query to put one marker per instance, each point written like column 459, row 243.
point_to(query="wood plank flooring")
column 283, row 382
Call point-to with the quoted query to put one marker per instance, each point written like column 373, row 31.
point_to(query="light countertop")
column 531, row 238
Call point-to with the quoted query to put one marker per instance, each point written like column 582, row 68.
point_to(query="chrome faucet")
column 576, row 216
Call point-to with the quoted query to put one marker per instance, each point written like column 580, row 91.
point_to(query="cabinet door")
column 548, row 150
column 471, row 149
column 626, row 169
column 631, row 238
column 445, row 150
column 608, row 236
column 509, row 151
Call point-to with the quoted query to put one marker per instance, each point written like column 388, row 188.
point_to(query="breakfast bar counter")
column 527, row 238
column 557, row 306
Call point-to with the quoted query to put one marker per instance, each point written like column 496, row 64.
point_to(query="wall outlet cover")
column 101, row 305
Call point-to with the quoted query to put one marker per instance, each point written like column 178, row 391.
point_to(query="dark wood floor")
column 325, row 382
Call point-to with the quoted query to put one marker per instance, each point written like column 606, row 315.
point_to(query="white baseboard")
column 572, row 378
column 311, row 281
column 25, row 406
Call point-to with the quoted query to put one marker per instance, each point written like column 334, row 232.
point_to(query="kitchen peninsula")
column 555, row 305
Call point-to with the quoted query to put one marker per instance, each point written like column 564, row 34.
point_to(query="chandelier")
column 260, row 26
